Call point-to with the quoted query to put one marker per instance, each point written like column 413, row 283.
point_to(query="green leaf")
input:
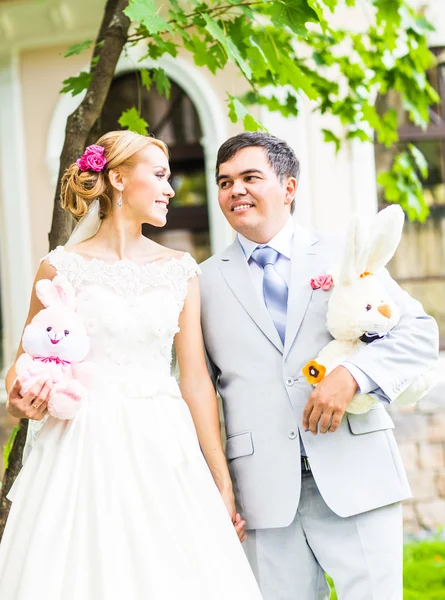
column 163, row 84
column 293, row 14
column 203, row 54
column 288, row 108
column 77, row 48
column 358, row 134
column 146, row 12
column 8, row 446
column 238, row 112
column 331, row 137
column 146, row 79
column 76, row 85
column 388, row 11
column 131, row 119
column 297, row 79
column 226, row 42
column 419, row 159
column 331, row 4
column 402, row 185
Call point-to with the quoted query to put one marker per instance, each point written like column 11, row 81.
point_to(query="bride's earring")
column 119, row 200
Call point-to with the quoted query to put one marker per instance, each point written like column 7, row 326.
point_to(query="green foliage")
column 8, row 446
column 423, row 571
column 293, row 14
column 162, row 82
column 289, row 46
column 76, row 85
column 77, row 48
column 146, row 79
column 331, row 137
column 131, row 119
column 238, row 112
column 146, row 12
column 402, row 184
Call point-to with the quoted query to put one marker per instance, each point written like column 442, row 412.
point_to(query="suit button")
column 292, row 434
column 290, row 381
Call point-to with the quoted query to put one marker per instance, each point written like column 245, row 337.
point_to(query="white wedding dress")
column 119, row 503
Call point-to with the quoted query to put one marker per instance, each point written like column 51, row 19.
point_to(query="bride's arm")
column 23, row 407
column 198, row 392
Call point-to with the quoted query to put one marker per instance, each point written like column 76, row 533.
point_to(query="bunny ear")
column 386, row 233
column 47, row 292
column 64, row 291
column 356, row 252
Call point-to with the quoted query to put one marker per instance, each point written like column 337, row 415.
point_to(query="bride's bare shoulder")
column 85, row 249
column 162, row 253
column 45, row 271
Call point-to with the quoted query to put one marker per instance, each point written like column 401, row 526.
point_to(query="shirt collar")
column 281, row 242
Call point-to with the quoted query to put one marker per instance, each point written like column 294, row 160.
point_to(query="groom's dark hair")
column 281, row 157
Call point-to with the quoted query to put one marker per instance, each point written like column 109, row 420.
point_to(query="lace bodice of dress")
column 131, row 313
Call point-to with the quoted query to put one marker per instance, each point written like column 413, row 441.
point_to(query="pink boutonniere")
column 323, row 282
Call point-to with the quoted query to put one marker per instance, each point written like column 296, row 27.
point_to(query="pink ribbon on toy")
column 52, row 359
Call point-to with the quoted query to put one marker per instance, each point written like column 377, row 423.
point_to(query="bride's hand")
column 229, row 501
column 239, row 527
column 33, row 405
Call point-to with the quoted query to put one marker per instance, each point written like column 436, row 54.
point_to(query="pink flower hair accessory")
column 323, row 282
column 92, row 159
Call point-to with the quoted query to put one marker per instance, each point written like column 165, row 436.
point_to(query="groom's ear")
column 291, row 189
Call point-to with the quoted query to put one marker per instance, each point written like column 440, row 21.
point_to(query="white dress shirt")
column 282, row 242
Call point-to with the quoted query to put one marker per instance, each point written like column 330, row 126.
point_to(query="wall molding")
column 15, row 233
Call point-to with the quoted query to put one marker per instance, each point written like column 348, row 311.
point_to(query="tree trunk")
column 15, row 463
column 109, row 44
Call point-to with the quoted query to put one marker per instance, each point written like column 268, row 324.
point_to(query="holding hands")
column 239, row 524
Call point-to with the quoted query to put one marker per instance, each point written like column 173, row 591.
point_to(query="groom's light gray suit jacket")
column 357, row 468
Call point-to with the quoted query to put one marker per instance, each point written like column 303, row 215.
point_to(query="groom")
column 320, row 490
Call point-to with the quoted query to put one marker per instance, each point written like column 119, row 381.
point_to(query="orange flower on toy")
column 314, row 372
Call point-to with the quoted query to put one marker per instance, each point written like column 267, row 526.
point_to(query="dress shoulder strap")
column 66, row 264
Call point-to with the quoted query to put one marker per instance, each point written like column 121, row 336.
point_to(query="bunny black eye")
column 66, row 332
column 368, row 307
column 48, row 329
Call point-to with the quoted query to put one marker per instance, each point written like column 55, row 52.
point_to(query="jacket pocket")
column 374, row 420
column 239, row 444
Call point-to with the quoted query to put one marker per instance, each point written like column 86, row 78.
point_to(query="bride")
column 132, row 498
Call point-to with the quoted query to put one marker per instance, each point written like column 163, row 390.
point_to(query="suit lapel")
column 305, row 264
column 236, row 272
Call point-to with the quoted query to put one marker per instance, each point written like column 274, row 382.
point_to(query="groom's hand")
column 326, row 405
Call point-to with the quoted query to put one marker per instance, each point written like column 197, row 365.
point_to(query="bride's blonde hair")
column 80, row 188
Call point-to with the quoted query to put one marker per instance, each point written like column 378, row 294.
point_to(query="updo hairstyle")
column 80, row 188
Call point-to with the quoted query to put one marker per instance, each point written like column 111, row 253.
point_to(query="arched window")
column 419, row 264
column 174, row 121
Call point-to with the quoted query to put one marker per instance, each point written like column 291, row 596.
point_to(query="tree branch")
column 15, row 464
column 110, row 41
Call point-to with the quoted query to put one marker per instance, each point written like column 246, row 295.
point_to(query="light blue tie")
column 275, row 290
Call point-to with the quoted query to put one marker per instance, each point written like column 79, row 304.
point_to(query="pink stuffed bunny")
column 55, row 344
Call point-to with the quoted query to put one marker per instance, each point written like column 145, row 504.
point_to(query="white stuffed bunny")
column 360, row 310
column 55, row 344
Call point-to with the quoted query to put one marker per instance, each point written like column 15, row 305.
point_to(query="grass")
column 423, row 570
